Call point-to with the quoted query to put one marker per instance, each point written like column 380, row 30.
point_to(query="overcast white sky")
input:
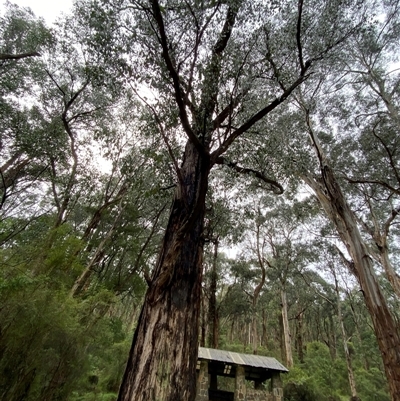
column 48, row 9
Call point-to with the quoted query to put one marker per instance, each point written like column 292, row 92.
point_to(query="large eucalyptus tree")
column 210, row 72
column 372, row 86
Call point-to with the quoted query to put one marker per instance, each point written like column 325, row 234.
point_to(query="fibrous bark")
column 162, row 360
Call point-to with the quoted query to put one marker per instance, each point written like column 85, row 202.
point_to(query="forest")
column 222, row 173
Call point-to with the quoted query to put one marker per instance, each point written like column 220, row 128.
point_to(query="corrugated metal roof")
column 236, row 358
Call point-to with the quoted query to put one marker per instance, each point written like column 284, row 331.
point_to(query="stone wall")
column 263, row 395
column 258, row 395
column 278, row 394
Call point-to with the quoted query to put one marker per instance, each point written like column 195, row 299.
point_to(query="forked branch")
column 179, row 95
column 256, row 117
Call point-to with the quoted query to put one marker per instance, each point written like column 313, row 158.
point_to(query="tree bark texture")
column 335, row 205
column 164, row 350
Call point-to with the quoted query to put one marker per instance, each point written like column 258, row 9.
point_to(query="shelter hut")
column 255, row 377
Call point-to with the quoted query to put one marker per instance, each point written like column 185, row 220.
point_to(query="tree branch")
column 179, row 95
column 226, row 111
column 257, row 117
column 389, row 153
column 143, row 248
column 298, row 35
column 377, row 182
column 226, row 32
column 275, row 187
column 5, row 56
column 389, row 221
column 348, row 263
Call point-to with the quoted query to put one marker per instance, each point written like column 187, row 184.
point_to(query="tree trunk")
column 358, row 333
column 331, row 337
column 299, row 337
column 83, row 281
column 203, row 325
column 254, row 334
column 286, row 331
column 257, row 290
column 379, row 233
column 389, row 270
column 350, row 373
column 264, row 338
column 281, row 338
column 335, row 205
column 163, row 357
column 232, row 330
column 212, row 306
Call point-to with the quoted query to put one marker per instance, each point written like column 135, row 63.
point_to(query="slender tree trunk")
column 350, row 373
column 83, row 281
column 286, row 330
column 379, row 234
column 212, row 306
column 64, row 202
column 264, row 337
column 331, row 337
column 389, row 270
column 299, row 337
column 259, row 287
column 281, row 338
column 132, row 318
column 203, row 329
column 213, row 312
column 163, row 357
column 242, row 331
column 254, row 334
column 358, row 333
column 232, row 330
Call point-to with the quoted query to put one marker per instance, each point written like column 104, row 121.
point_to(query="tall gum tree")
column 374, row 79
column 218, row 68
column 374, row 119
column 333, row 201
